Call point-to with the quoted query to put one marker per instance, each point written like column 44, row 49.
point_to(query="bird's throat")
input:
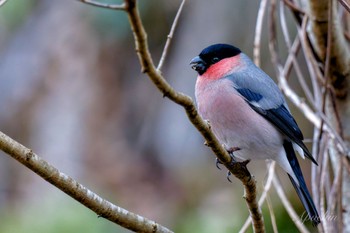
column 222, row 68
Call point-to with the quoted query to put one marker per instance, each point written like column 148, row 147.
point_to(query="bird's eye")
column 214, row 60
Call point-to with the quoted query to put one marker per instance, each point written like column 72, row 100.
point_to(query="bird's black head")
column 211, row 55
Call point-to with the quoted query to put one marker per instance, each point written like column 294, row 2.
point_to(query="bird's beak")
column 198, row 64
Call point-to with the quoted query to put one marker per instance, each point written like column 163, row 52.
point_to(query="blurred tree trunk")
column 337, row 106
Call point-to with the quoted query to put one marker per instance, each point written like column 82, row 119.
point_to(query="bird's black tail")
column 301, row 189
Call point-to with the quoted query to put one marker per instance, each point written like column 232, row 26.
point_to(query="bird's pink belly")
column 236, row 124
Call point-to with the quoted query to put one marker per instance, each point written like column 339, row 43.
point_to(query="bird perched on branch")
column 247, row 112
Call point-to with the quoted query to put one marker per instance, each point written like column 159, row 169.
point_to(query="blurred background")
column 71, row 89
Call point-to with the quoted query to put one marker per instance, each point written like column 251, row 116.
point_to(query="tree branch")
column 258, row 29
column 345, row 5
column 237, row 169
column 267, row 186
column 77, row 191
column 170, row 36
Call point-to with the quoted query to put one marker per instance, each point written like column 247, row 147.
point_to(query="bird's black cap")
column 213, row 54
column 217, row 52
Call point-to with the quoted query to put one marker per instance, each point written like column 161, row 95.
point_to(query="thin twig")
column 336, row 192
column 170, row 36
column 258, row 29
column 293, row 49
column 239, row 170
column 287, row 67
column 305, row 109
column 294, row 216
column 316, row 75
column 271, row 172
column 313, row 68
column 346, row 163
column 324, row 170
column 345, row 5
column 309, row 113
column 284, row 25
column 272, row 214
column 293, row 7
column 77, row 191
column 327, row 62
column 338, row 180
column 273, row 37
column 316, row 171
column 281, row 74
column 103, row 5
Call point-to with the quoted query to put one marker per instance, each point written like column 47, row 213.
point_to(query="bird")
column 249, row 115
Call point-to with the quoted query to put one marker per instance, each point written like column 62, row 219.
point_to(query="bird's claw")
column 228, row 176
column 242, row 164
column 217, row 163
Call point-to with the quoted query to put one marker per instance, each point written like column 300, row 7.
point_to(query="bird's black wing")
column 279, row 117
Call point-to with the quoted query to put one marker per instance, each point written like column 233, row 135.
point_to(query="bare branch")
column 77, row 191
column 294, row 52
column 271, row 172
column 296, row 100
column 239, row 170
column 293, row 7
column 258, row 29
column 298, row 223
column 315, row 71
column 103, row 5
column 324, row 170
column 282, row 73
column 272, row 214
column 309, row 113
column 327, row 62
column 345, row 5
column 170, row 36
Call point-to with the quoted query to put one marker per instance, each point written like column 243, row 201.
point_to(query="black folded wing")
column 280, row 117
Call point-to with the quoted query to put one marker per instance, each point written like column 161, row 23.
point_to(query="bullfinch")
column 247, row 111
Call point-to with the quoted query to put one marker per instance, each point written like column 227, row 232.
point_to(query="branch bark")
column 77, row 191
column 148, row 67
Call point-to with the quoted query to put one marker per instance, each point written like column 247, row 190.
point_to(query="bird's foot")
column 232, row 149
column 242, row 165
column 230, row 152
column 233, row 161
